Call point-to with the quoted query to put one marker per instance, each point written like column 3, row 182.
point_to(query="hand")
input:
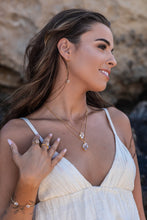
column 36, row 163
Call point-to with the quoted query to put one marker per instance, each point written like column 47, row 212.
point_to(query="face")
column 92, row 60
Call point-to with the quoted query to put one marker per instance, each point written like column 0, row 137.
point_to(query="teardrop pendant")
column 85, row 146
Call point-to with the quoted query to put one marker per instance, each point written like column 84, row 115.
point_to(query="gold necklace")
column 81, row 135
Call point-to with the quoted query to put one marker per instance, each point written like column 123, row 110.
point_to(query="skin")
column 84, row 62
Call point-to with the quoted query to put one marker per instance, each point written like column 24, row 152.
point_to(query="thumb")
column 14, row 150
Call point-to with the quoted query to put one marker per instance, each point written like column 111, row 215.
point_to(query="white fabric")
column 66, row 195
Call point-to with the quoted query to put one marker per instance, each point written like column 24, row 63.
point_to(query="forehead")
column 97, row 31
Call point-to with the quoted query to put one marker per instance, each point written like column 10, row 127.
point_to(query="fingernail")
column 50, row 134
column 10, row 142
column 58, row 139
column 64, row 150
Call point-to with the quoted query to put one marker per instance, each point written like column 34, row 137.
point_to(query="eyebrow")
column 106, row 41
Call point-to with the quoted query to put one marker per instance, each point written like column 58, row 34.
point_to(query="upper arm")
column 122, row 125
column 8, row 170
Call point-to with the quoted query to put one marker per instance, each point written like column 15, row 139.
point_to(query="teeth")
column 106, row 73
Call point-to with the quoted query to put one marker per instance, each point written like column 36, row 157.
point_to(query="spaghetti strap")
column 32, row 128
column 41, row 139
column 110, row 121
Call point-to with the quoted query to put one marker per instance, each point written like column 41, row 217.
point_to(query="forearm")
column 24, row 194
column 15, row 214
column 142, row 215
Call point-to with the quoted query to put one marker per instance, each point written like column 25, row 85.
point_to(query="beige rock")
column 20, row 20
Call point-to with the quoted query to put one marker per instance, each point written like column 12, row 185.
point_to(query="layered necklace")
column 81, row 135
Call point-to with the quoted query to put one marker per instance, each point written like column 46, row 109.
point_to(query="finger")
column 36, row 141
column 59, row 157
column 46, row 142
column 14, row 150
column 54, row 147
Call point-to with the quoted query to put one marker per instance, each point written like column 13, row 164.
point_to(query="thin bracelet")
column 27, row 205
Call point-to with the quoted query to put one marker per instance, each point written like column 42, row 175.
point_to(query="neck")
column 70, row 104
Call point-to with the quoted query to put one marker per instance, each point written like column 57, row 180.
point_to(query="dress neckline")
column 64, row 159
column 113, row 161
column 72, row 165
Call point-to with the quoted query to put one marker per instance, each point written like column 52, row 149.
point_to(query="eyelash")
column 102, row 46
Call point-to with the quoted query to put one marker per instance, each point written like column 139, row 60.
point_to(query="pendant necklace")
column 80, row 135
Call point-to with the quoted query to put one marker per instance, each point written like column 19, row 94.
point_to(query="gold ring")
column 47, row 146
column 36, row 141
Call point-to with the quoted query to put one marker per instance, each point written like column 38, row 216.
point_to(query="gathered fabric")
column 66, row 194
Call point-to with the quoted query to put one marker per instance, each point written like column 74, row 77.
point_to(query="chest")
column 95, row 163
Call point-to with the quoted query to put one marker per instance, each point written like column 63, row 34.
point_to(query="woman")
column 64, row 152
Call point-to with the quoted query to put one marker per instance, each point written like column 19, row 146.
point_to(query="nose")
column 112, row 61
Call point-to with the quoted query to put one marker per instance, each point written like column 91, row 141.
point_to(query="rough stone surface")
column 138, row 118
column 21, row 19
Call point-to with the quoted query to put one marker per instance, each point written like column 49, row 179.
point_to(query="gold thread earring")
column 67, row 79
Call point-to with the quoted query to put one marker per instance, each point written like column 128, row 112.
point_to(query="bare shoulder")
column 12, row 129
column 118, row 115
column 16, row 130
column 122, row 124
column 13, row 123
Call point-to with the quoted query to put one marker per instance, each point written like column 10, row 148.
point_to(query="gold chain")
column 81, row 135
column 67, row 124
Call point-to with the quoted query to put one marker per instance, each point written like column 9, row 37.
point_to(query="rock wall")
column 21, row 19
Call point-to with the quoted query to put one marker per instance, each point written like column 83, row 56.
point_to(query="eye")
column 112, row 51
column 102, row 46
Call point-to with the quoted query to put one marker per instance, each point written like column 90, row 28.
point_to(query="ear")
column 64, row 47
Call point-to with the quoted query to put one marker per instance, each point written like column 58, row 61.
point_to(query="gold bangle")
column 15, row 203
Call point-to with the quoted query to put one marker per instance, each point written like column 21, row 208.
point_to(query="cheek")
column 88, row 59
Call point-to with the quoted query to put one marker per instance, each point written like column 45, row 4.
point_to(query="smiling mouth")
column 104, row 72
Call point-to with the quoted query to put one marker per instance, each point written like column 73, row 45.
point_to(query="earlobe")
column 64, row 48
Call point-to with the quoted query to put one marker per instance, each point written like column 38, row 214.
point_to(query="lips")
column 105, row 72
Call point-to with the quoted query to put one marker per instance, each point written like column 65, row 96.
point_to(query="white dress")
column 66, row 195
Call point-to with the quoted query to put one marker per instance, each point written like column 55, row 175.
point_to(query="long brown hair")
column 41, row 61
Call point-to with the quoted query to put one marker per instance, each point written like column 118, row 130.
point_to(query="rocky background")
column 127, row 89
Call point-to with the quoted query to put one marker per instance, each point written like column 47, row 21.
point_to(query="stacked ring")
column 47, row 146
column 36, row 141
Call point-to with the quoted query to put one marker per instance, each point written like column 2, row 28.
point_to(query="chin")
column 99, row 88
